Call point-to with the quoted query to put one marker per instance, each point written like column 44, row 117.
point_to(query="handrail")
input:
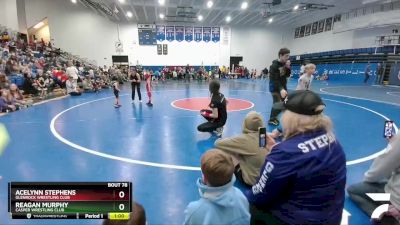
column 368, row 10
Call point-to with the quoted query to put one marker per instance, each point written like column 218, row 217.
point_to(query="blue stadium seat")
column 348, row 52
column 370, row 50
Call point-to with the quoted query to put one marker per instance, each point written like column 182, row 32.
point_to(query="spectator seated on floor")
column 41, row 85
column 19, row 98
column 72, row 88
column 384, row 167
column 245, row 149
column 136, row 217
column 6, row 102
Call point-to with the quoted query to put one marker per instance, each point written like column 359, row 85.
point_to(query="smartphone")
column 262, row 135
column 388, row 130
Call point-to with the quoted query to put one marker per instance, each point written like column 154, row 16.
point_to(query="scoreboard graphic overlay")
column 70, row 200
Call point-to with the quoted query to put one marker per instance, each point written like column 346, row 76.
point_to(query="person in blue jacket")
column 220, row 203
column 303, row 179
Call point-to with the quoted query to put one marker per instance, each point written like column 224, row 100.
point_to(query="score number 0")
column 121, row 194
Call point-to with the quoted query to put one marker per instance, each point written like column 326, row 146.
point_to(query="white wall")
column 8, row 14
column 354, row 33
column 179, row 53
column 259, row 46
column 43, row 33
column 82, row 32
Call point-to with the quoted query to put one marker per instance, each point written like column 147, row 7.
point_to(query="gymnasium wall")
column 8, row 14
column 358, row 32
column 259, row 46
column 82, row 32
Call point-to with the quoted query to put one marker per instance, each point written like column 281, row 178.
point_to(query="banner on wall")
column 216, row 34
column 321, row 26
column 170, row 33
column 308, row 30
column 179, row 33
column 302, row 30
column 226, row 35
column 314, row 28
column 328, row 24
column 198, row 31
column 160, row 32
column 189, row 34
column 297, row 33
column 206, row 34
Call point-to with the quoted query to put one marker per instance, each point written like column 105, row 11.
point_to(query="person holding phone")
column 384, row 167
column 303, row 178
column 248, row 148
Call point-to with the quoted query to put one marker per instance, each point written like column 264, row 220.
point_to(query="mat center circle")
column 199, row 103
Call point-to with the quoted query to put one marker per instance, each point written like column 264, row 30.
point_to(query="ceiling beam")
column 134, row 11
column 252, row 6
column 243, row 18
column 257, row 17
column 123, row 12
column 220, row 12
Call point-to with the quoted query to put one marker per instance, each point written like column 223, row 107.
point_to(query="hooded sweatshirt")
column 218, row 205
column 278, row 76
column 245, row 148
column 386, row 166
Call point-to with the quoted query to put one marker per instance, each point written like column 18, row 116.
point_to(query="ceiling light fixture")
column 296, row 7
column 73, row 1
column 39, row 25
column 161, row 2
column 162, row 16
column 129, row 14
column 228, row 19
column 270, row 20
column 121, row 1
column 200, row 17
column 244, row 5
column 210, row 4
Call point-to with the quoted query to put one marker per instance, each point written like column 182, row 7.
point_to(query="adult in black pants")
column 279, row 73
column 216, row 116
column 135, row 83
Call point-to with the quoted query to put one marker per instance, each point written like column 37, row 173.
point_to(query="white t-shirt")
column 305, row 82
column 72, row 72
column 70, row 86
column 302, row 68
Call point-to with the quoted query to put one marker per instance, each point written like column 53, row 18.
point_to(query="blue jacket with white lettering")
column 303, row 180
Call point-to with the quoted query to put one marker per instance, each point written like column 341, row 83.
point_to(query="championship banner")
column 206, row 34
column 170, row 33
column 160, row 32
column 216, row 34
column 188, row 34
column 179, row 33
column 198, row 32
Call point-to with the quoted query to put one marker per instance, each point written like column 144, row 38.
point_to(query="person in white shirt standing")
column 72, row 71
column 306, row 79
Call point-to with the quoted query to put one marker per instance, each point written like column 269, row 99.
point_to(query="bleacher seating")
column 355, row 52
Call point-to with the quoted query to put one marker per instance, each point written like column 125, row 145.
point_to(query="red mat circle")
column 197, row 104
